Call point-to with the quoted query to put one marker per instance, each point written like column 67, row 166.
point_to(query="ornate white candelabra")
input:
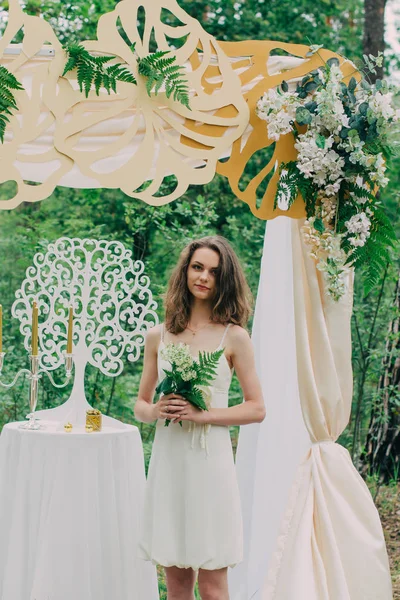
column 34, row 374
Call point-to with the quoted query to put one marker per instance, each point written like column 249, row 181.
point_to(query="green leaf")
column 294, row 182
column 207, row 365
column 320, row 141
column 374, row 256
column 91, row 70
column 319, row 225
column 353, row 135
column 365, row 85
column 303, row 116
column 310, row 87
column 333, row 61
column 352, row 84
column 305, row 79
column 8, row 83
column 284, row 86
column 195, row 397
column 314, row 48
column 167, row 385
column 288, row 184
column 162, row 70
column 311, row 106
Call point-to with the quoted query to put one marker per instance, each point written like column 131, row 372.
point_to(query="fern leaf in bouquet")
column 167, row 385
column 195, row 396
column 207, row 366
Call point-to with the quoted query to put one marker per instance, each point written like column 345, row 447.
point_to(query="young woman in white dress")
column 192, row 523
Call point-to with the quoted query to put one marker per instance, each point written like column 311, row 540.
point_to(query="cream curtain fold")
column 331, row 544
column 311, row 530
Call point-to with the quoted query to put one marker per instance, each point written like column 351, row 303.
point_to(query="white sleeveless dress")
column 192, row 514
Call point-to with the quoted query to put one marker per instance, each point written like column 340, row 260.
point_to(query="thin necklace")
column 194, row 331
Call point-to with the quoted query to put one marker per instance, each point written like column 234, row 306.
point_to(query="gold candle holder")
column 93, row 418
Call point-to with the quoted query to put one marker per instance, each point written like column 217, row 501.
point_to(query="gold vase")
column 93, row 418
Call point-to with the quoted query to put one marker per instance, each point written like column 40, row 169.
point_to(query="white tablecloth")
column 70, row 507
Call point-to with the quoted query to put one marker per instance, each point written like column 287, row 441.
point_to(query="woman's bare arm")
column 252, row 410
column 144, row 409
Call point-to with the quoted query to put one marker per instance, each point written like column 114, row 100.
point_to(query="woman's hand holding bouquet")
column 187, row 377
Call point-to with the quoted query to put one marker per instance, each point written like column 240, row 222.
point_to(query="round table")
column 70, row 506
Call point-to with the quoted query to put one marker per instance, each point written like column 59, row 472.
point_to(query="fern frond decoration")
column 92, row 70
column 288, row 184
column 8, row 84
column 291, row 183
column 162, row 70
column 375, row 254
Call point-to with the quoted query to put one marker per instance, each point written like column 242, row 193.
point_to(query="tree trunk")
column 364, row 367
column 374, row 31
column 382, row 450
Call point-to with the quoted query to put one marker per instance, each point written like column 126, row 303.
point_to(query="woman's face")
column 202, row 273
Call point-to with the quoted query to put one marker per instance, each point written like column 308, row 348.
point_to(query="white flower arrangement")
column 341, row 162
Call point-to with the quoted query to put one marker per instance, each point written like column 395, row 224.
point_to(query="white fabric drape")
column 312, row 531
column 268, row 454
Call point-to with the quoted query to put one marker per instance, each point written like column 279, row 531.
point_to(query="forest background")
column 156, row 236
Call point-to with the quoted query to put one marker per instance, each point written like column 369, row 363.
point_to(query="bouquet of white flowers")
column 188, row 375
column 342, row 133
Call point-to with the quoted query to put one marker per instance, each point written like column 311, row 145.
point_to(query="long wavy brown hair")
column 233, row 300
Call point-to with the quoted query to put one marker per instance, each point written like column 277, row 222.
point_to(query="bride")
column 192, row 523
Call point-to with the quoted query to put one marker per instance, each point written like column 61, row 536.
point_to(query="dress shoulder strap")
column 162, row 331
column 224, row 335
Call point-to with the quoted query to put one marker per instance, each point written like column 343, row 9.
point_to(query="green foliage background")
column 157, row 235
